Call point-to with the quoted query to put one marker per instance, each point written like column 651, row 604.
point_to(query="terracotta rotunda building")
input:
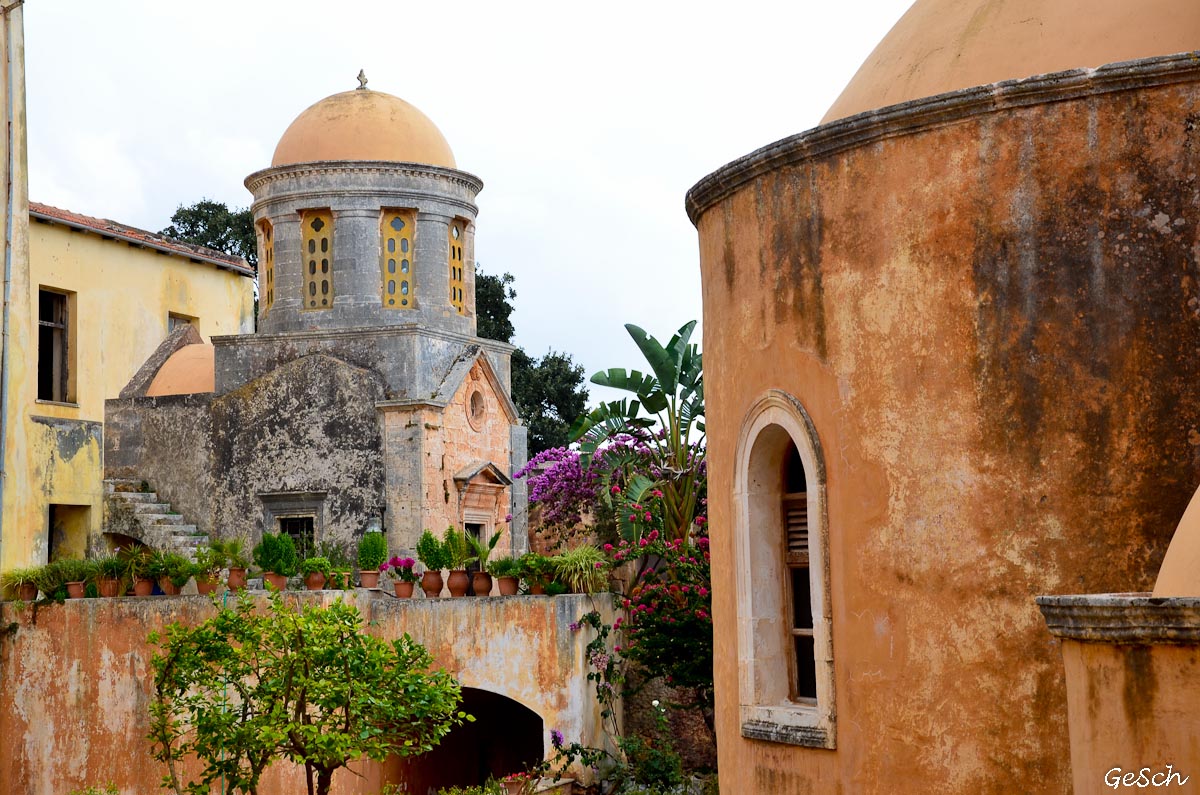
column 951, row 346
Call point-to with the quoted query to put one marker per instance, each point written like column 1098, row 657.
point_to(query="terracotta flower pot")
column 404, row 589
column 27, row 592
column 431, row 583
column 169, row 588
column 481, row 583
column 509, row 585
column 369, row 579
column 277, row 581
column 512, row 787
column 143, row 586
column 537, row 589
column 458, row 582
column 314, row 581
column 108, row 587
column 206, row 586
column 237, row 578
column 75, row 590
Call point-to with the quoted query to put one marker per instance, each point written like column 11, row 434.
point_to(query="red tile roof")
column 139, row 237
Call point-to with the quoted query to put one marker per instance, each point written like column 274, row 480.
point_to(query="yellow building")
column 98, row 299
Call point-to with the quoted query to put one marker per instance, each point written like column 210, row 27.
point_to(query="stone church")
column 365, row 399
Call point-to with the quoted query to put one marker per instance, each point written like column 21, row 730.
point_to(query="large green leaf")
column 664, row 362
column 639, row 383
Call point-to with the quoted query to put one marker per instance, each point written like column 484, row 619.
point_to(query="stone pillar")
column 1133, row 690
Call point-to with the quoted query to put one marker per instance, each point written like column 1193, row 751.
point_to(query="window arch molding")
column 766, row 657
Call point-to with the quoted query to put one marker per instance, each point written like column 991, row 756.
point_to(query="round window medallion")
column 476, row 409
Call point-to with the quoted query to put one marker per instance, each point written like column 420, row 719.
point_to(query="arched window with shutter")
column 785, row 643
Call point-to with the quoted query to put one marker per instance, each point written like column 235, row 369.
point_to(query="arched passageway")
column 505, row 737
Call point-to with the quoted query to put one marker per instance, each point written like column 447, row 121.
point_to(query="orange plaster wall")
column 75, row 679
column 1131, row 707
column 989, row 324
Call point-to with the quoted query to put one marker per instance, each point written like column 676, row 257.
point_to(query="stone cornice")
column 931, row 112
column 405, row 329
column 333, row 197
column 322, row 168
column 1122, row 618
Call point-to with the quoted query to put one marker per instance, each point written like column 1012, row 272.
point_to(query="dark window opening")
column 795, row 532
column 53, row 372
column 300, row 528
column 474, row 530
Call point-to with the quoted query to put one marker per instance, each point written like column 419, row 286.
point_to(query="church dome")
column 946, row 45
column 363, row 125
column 187, row 371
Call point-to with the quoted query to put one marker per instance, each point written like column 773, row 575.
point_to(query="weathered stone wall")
column 168, row 442
column 412, row 360
column 308, row 427
column 987, row 303
column 75, row 679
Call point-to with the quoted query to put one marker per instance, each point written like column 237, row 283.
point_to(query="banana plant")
column 671, row 397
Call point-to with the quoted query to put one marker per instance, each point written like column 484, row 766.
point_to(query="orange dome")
column 946, row 45
column 363, row 125
column 189, row 370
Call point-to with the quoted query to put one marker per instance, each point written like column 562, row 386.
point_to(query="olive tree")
column 251, row 685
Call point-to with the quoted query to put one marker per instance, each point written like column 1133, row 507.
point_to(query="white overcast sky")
column 588, row 122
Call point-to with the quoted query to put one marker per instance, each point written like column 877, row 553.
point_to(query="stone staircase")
column 134, row 511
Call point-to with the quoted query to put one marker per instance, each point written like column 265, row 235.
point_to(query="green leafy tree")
column 672, row 395
column 250, row 686
column 213, row 224
column 493, row 306
column 549, row 391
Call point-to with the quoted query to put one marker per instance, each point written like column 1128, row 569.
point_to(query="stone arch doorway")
column 505, row 737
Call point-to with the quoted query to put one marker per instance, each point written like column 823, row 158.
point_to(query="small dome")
column 189, row 370
column 363, row 125
column 947, row 45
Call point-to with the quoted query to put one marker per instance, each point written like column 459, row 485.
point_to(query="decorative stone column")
column 1133, row 690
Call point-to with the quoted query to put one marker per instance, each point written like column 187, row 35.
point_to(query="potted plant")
column 402, row 570
column 583, row 569
column 51, row 581
column 537, row 571
column 372, row 552
column 507, row 572
column 458, row 557
column 432, row 554
column 315, row 572
column 110, row 571
column 209, row 562
column 171, row 570
column 519, row 783
column 276, row 556
column 234, row 559
column 76, row 573
column 137, row 569
column 23, row 583
column 481, row 582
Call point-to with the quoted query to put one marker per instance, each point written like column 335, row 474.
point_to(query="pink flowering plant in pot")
column 400, row 569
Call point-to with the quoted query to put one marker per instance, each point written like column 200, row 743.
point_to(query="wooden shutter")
column 795, row 521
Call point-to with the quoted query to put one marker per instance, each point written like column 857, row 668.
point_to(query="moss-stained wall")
column 988, row 305
column 119, row 298
column 75, row 683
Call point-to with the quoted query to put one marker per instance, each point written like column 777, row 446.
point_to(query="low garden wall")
column 75, row 679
